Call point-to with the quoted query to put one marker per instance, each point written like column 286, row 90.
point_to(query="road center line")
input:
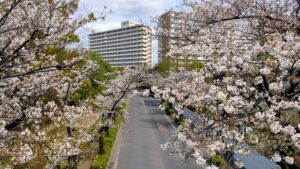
column 117, row 158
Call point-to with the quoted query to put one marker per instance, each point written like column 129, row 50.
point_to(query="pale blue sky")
column 139, row 11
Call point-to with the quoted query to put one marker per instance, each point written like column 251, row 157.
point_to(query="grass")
column 216, row 160
column 219, row 161
column 101, row 160
column 118, row 121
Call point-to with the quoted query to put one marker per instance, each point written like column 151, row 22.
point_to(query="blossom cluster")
column 38, row 76
column 246, row 98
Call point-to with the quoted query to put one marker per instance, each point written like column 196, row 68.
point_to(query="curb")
column 112, row 162
column 113, row 159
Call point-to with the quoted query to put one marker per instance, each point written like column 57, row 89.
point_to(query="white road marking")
column 121, row 138
column 117, row 158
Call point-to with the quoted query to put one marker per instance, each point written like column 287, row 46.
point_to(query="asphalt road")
column 146, row 129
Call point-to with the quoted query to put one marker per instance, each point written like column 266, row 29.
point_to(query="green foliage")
column 179, row 121
column 216, row 160
column 118, row 119
column 70, row 38
column 101, row 160
column 94, row 85
column 219, row 161
column 195, row 65
column 204, row 109
column 67, row 8
column 88, row 88
column 50, row 95
column 266, row 56
column 293, row 117
column 119, row 69
column 40, row 35
column 162, row 67
column 20, row 166
column 51, row 50
column 64, row 54
column 168, row 64
column 192, row 108
column 92, row 16
column 5, row 161
column 164, row 104
column 172, row 113
column 105, row 70
column 93, row 127
column 123, row 108
column 65, row 165
column 209, row 80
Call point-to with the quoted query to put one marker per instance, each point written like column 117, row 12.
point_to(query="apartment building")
column 164, row 38
column 170, row 39
column 130, row 45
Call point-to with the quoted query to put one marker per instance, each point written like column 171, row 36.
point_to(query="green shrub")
column 216, row 160
column 180, row 121
column 196, row 65
column 118, row 121
column 94, row 84
column 209, row 80
column 162, row 67
column 266, row 56
column 101, row 160
column 170, row 111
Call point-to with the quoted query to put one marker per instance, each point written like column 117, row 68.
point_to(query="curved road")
column 146, row 129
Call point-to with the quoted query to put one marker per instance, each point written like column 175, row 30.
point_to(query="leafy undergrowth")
column 172, row 113
column 219, row 161
column 101, row 160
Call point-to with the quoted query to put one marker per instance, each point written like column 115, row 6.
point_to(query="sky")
column 138, row 11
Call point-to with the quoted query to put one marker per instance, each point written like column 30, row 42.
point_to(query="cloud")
column 139, row 11
column 126, row 9
column 137, row 8
column 122, row 10
column 99, row 27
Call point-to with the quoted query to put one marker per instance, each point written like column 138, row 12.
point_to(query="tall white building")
column 130, row 45
column 170, row 38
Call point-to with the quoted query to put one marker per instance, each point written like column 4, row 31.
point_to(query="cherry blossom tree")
column 247, row 97
column 118, row 88
column 38, row 76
